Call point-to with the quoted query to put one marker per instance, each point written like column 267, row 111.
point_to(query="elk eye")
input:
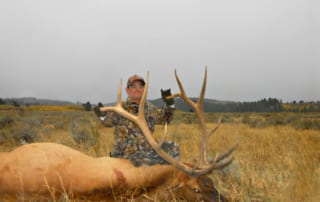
column 196, row 190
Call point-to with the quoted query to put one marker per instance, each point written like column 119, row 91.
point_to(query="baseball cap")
column 134, row 78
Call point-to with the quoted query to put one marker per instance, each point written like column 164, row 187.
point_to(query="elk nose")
column 213, row 196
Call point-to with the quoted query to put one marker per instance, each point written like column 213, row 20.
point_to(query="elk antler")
column 203, row 165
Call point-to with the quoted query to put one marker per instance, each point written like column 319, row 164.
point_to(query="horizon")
column 159, row 98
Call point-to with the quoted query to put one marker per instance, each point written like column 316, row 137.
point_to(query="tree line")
column 263, row 105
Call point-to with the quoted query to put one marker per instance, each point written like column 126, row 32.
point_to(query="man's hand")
column 165, row 94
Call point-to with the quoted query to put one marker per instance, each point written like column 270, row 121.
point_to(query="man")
column 130, row 142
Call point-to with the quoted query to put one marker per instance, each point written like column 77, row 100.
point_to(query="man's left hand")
column 165, row 94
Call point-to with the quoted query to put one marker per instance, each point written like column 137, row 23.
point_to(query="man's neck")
column 137, row 101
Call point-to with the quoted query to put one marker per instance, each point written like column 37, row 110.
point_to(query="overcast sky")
column 78, row 50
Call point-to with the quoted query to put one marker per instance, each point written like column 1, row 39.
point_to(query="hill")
column 35, row 101
column 209, row 105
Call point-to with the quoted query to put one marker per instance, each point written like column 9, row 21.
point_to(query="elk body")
column 50, row 170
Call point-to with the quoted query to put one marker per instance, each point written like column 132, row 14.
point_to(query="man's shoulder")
column 151, row 105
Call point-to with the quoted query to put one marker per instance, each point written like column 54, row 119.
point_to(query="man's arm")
column 106, row 118
column 166, row 113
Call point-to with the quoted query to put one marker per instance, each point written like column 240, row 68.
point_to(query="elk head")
column 195, row 184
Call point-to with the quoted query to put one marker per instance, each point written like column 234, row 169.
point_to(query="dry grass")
column 277, row 163
column 274, row 163
column 271, row 164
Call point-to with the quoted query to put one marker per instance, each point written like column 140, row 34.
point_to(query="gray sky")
column 78, row 50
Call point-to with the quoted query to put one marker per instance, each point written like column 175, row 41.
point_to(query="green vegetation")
column 257, row 120
column 2, row 102
column 87, row 106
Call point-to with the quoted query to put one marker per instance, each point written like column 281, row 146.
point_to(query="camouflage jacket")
column 130, row 143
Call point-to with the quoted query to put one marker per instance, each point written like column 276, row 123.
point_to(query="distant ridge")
column 209, row 105
column 36, row 101
column 262, row 105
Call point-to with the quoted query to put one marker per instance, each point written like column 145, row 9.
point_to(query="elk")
column 50, row 170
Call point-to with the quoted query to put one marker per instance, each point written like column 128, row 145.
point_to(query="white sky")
column 78, row 50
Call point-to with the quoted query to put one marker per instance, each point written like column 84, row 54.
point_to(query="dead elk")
column 50, row 170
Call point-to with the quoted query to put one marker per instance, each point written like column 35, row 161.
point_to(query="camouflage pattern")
column 130, row 142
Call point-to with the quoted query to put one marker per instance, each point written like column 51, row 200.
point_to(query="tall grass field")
column 278, row 157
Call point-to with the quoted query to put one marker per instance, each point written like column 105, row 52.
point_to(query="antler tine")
column 164, row 136
column 182, row 93
column 118, row 107
column 203, row 89
column 226, row 154
column 144, row 98
column 215, row 128
column 119, row 95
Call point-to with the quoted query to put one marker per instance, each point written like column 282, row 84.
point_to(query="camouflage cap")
column 134, row 78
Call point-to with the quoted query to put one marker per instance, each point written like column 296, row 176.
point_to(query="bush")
column 307, row 124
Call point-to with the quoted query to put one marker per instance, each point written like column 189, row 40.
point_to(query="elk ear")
column 205, row 183
column 209, row 192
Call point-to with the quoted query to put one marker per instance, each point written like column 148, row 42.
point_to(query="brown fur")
column 48, row 170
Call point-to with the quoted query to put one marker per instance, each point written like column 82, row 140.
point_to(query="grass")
column 274, row 162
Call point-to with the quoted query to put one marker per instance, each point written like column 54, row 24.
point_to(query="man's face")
column 135, row 91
